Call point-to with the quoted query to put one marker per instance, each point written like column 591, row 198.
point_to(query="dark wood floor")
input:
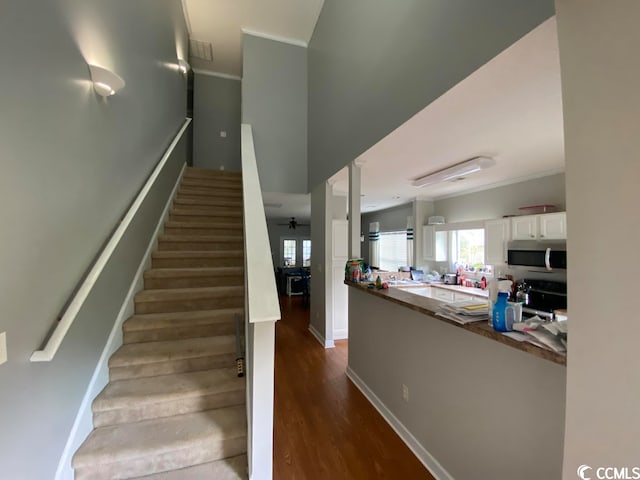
column 324, row 428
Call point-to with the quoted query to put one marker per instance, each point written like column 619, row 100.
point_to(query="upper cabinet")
column 548, row 226
column 524, row 228
column 553, row 226
column 434, row 244
column 496, row 235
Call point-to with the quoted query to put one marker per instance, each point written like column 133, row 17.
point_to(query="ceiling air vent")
column 202, row 50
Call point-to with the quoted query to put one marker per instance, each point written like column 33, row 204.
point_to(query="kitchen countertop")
column 456, row 288
column 429, row 306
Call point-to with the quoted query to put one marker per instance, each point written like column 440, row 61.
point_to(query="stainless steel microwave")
column 545, row 255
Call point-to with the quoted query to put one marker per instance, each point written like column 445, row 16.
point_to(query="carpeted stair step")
column 161, row 278
column 204, row 215
column 134, row 400
column 213, row 182
column 200, row 242
column 185, row 299
column 222, row 204
column 227, row 258
column 157, row 327
column 217, row 192
column 160, row 445
column 232, row 468
column 196, row 172
column 149, row 359
column 203, row 228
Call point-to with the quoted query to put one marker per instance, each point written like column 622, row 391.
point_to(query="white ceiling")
column 221, row 22
column 510, row 109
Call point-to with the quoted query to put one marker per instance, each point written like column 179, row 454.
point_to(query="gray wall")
column 372, row 65
column 320, row 264
column 496, row 202
column 274, row 102
column 465, row 392
column 72, row 163
column 600, row 76
column 277, row 231
column 391, row 220
column 216, row 108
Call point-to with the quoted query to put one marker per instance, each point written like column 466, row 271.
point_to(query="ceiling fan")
column 293, row 223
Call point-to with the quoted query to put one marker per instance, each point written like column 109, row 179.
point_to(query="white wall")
column 600, row 78
column 504, row 200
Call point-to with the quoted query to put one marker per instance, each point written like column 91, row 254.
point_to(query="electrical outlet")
column 3, row 347
column 405, row 393
column 223, row 134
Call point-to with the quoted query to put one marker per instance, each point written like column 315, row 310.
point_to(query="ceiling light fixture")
column 105, row 82
column 456, row 171
column 183, row 66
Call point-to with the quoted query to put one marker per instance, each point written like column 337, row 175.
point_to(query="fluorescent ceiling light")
column 458, row 170
column 105, row 82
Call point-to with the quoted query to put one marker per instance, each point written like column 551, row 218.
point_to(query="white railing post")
column 262, row 310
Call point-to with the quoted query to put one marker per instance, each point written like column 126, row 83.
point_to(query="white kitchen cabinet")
column 547, row 226
column 524, row 228
column 497, row 234
column 434, row 244
column 553, row 226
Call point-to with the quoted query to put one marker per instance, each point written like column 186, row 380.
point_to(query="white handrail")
column 56, row 338
column 262, row 294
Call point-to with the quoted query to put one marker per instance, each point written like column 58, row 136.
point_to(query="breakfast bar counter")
column 470, row 402
column 429, row 306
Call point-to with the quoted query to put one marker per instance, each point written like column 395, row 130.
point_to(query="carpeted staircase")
column 174, row 408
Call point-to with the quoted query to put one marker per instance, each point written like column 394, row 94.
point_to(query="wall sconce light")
column 105, row 82
column 183, row 66
column 459, row 170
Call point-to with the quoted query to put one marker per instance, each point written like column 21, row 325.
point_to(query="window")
column 289, row 253
column 393, row 250
column 467, row 248
column 306, row 253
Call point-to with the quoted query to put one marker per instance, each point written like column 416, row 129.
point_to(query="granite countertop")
column 429, row 306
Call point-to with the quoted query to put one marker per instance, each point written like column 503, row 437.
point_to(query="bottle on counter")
column 499, row 314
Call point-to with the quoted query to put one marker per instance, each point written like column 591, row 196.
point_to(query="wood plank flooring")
column 324, row 428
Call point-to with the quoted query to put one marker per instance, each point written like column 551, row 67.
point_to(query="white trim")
column 55, row 340
column 275, row 38
column 325, row 343
column 405, row 435
column 187, row 18
column 211, row 73
column 83, row 423
column 260, row 282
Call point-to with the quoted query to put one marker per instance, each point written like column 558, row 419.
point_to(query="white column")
column 354, row 209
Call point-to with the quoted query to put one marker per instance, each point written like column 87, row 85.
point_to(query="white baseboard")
column 419, row 451
column 324, row 342
column 83, row 424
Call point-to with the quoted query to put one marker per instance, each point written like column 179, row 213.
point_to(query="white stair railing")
column 53, row 343
column 262, row 310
